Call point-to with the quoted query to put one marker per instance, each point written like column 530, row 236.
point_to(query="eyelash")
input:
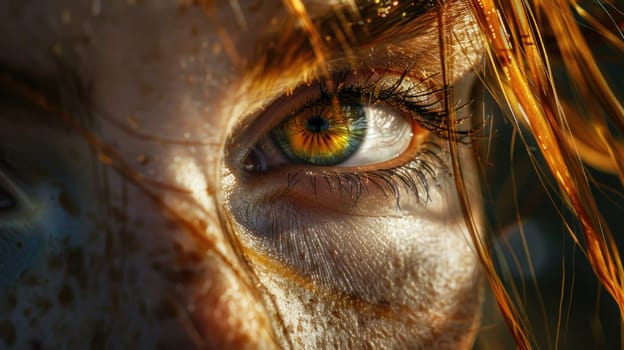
column 413, row 176
column 416, row 175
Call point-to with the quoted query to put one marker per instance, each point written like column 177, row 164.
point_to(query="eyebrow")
column 342, row 28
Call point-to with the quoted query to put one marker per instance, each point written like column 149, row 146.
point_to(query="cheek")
column 121, row 264
column 336, row 267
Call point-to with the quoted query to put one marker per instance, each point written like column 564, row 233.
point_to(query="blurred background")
column 562, row 298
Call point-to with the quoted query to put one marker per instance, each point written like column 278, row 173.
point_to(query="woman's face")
column 194, row 176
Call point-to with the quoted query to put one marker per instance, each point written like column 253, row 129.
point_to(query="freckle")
column 133, row 122
column 171, row 226
column 182, row 276
column 119, row 214
column 57, row 50
column 65, row 296
column 166, row 310
column 202, row 225
column 139, row 223
column 75, row 266
column 193, row 258
column 194, row 30
column 216, row 49
column 35, row 344
column 130, row 242
column 177, row 246
column 8, row 333
column 211, row 190
column 114, row 275
column 143, row 159
column 43, row 305
column 98, row 340
column 182, row 9
column 68, row 205
column 9, row 302
column 31, row 280
column 135, row 337
column 163, row 346
column 93, row 237
column 157, row 266
column 148, row 89
column 142, row 309
column 115, row 300
column 74, row 154
column 55, row 262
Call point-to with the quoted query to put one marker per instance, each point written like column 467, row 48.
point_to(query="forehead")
column 54, row 24
column 148, row 58
column 142, row 58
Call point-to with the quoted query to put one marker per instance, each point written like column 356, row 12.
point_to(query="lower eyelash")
column 414, row 178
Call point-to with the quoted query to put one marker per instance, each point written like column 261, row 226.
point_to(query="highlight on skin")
column 300, row 263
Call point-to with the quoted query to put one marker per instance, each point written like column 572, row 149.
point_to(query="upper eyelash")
column 418, row 175
column 397, row 96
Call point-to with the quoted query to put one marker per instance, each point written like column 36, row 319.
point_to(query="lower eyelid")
column 411, row 185
column 304, row 237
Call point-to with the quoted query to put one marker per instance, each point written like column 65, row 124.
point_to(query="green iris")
column 322, row 137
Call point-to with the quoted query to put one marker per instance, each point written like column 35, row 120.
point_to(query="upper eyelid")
column 339, row 23
column 411, row 46
column 284, row 107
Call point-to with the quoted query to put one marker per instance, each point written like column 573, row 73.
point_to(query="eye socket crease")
column 342, row 25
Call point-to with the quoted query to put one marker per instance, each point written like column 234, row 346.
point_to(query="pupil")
column 317, row 124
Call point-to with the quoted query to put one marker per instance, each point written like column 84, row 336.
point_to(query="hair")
column 526, row 39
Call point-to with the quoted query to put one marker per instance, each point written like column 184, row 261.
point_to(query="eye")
column 327, row 183
column 355, row 134
column 362, row 125
column 350, row 142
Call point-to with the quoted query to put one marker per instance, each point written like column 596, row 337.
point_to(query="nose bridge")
column 225, row 308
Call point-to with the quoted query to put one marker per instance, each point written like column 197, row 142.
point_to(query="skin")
column 136, row 225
